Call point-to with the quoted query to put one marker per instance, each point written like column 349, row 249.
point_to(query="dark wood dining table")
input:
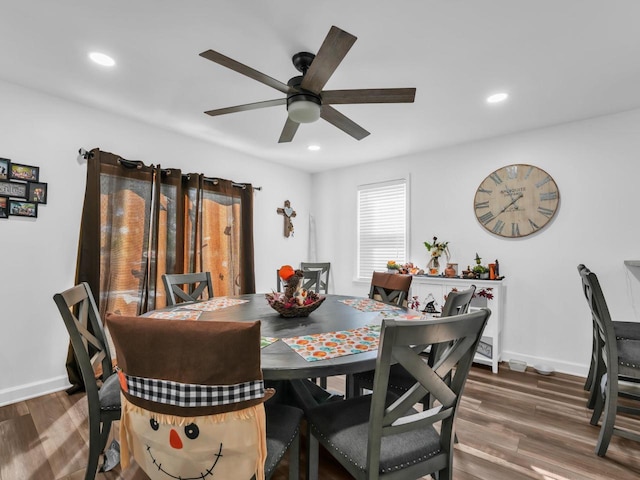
column 279, row 361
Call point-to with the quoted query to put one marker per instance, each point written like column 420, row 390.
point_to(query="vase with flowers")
column 436, row 250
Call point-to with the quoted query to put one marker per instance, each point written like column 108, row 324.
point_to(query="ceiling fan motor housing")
column 302, row 61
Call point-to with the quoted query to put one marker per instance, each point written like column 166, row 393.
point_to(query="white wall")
column 595, row 164
column 38, row 256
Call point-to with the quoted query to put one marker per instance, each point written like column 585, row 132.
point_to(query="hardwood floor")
column 511, row 426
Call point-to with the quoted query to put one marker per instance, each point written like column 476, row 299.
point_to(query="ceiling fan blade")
column 247, row 106
column 337, row 119
column 369, row 95
column 334, row 48
column 289, row 130
column 244, row 70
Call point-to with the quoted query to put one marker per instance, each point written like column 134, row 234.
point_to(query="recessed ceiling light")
column 497, row 97
column 102, row 59
column 313, row 148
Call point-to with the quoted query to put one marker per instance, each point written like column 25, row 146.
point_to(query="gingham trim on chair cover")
column 190, row 395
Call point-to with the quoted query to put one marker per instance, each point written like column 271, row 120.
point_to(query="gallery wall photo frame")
column 4, row 207
column 13, row 189
column 37, row 192
column 19, row 208
column 5, row 168
column 20, row 171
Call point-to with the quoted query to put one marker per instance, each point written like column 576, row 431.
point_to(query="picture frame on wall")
column 5, row 168
column 37, row 192
column 13, row 189
column 4, row 207
column 20, row 171
column 18, row 208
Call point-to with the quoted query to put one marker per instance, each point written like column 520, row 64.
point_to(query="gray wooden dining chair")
column 617, row 369
column 382, row 435
column 91, row 349
column 324, row 268
column 180, row 373
column 187, row 287
column 283, row 435
column 623, row 331
column 400, row 380
column 390, row 288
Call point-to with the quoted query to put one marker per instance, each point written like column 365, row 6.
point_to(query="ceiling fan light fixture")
column 303, row 108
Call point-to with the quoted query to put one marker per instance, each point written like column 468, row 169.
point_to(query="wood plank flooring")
column 511, row 426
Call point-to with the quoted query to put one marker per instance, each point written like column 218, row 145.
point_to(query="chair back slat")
column 311, row 280
column 604, row 332
column 458, row 302
column 86, row 332
column 324, row 268
column 187, row 287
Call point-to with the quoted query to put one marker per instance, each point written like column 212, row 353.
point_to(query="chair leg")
column 595, row 392
column 104, row 435
column 598, row 405
column 352, row 387
column 294, row 458
column 598, row 396
column 608, row 423
column 95, row 444
column 312, row 455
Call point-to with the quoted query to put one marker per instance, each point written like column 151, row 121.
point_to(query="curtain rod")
column 234, row 184
column 87, row 155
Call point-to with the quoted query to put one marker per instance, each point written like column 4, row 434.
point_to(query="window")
column 382, row 225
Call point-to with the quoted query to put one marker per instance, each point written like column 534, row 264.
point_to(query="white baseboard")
column 577, row 369
column 32, row 390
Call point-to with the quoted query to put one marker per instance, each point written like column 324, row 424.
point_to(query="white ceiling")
column 559, row 60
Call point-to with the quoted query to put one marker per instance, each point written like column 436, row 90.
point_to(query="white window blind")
column 382, row 226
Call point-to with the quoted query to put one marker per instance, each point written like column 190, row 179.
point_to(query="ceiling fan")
column 306, row 101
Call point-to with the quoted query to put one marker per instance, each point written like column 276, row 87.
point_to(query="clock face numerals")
column 516, row 200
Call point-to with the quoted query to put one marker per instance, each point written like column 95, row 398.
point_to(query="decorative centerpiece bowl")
column 289, row 308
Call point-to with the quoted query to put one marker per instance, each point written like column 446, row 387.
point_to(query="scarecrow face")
column 209, row 448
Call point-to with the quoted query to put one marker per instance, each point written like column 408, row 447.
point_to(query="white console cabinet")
column 490, row 349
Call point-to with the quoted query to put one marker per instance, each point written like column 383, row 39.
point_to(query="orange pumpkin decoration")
column 286, row 272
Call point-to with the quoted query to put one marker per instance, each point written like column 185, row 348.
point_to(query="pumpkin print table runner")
column 368, row 305
column 322, row 346
column 177, row 315
column 213, row 304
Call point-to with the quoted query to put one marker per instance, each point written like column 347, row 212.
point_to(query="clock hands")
column 508, row 190
column 514, row 200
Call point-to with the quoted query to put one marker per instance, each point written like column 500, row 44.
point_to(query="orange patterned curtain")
column 217, row 213
column 140, row 222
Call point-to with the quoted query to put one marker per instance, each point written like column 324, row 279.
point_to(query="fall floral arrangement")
column 405, row 269
column 436, row 249
column 295, row 301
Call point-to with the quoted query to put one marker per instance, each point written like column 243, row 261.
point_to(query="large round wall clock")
column 516, row 200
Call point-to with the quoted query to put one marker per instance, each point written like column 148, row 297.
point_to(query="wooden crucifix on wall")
column 288, row 213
